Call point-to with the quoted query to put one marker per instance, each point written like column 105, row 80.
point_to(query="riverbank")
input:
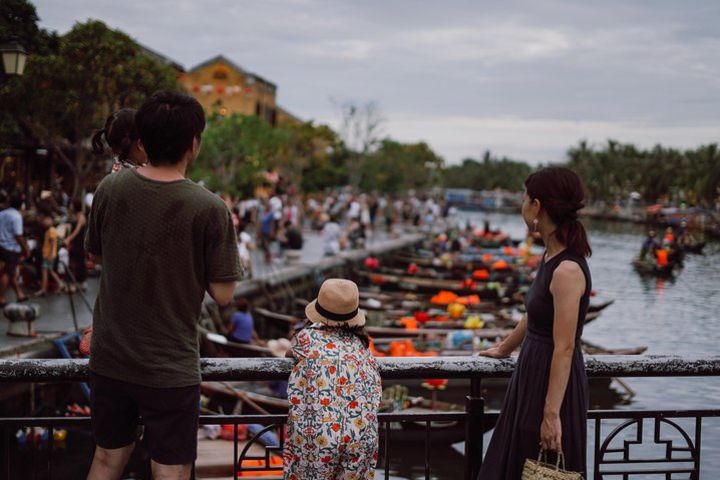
column 704, row 221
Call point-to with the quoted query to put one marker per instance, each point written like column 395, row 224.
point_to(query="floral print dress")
column 334, row 393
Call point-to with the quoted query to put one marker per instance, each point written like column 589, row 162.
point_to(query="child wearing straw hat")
column 334, row 391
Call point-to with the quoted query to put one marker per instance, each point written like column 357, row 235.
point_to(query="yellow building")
column 223, row 87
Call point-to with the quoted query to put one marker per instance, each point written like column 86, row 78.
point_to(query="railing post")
column 6, row 454
column 475, row 408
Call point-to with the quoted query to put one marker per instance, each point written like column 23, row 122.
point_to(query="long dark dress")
column 517, row 433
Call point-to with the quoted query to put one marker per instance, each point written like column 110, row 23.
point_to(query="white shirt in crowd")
column 244, row 247
column 331, row 238
column 354, row 210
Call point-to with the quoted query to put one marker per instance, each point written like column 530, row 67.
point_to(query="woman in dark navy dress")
column 546, row 402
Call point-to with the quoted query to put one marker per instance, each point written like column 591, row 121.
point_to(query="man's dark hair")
column 167, row 123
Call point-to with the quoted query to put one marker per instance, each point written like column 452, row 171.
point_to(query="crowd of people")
column 41, row 245
column 277, row 219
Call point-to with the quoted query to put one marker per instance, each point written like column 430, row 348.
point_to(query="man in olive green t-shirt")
column 163, row 242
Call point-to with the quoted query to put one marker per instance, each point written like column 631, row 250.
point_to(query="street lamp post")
column 14, row 56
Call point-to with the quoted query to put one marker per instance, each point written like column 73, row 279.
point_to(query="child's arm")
column 293, row 344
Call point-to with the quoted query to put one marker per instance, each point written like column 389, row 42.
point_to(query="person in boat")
column 672, row 247
column 685, row 238
column 163, row 242
column 545, row 407
column 241, row 326
column 650, row 245
column 669, row 238
column 336, row 379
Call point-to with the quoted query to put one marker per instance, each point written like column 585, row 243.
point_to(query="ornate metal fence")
column 676, row 435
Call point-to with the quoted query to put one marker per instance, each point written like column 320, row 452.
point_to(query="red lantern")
column 377, row 280
column 372, row 263
column 220, row 89
column 481, row 274
column 435, row 384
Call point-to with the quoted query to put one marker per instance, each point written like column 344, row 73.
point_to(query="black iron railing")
column 616, row 432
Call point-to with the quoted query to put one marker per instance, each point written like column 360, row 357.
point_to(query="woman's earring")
column 535, row 233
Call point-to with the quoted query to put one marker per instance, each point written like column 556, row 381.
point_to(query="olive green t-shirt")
column 161, row 244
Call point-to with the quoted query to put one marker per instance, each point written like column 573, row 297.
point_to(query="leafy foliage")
column 18, row 20
column 658, row 174
column 67, row 93
column 395, row 167
column 236, row 149
column 488, row 174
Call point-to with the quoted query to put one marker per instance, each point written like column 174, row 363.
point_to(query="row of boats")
column 419, row 302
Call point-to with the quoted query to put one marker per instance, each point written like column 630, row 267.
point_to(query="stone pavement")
column 56, row 314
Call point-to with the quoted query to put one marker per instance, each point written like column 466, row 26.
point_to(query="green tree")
column 18, row 20
column 488, row 174
column 66, row 94
column 396, row 167
column 236, row 149
column 614, row 170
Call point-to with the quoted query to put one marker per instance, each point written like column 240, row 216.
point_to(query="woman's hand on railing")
column 496, row 351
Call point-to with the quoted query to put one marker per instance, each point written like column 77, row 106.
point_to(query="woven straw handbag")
column 539, row 470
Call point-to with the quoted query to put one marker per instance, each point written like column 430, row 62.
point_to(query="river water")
column 669, row 317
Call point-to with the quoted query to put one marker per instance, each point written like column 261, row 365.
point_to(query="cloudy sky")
column 524, row 79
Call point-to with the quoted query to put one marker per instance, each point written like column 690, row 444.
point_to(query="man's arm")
column 23, row 244
column 222, row 292
column 221, row 256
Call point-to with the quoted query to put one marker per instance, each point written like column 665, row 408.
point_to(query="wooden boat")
column 406, row 301
column 499, row 319
column 215, row 345
column 393, row 332
column 652, row 269
column 243, row 400
column 458, row 262
column 413, row 284
column 696, row 248
column 506, row 277
column 413, row 432
column 240, row 400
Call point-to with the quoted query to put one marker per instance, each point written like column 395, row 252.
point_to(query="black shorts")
column 10, row 261
column 170, row 416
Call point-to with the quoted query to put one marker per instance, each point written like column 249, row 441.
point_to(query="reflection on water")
column 677, row 316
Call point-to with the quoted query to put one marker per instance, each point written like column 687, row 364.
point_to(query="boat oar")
column 244, row 398
column 630, row 391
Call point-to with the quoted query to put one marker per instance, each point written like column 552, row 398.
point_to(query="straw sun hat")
column 337, row 305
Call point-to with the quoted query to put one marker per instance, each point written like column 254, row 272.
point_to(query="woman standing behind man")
column 546, row 403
